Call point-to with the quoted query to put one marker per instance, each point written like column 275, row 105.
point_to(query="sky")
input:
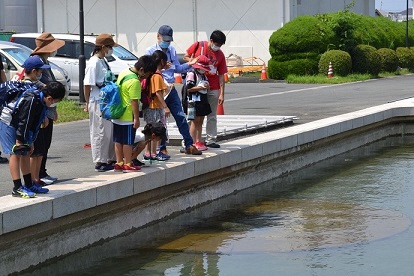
column 392, row 5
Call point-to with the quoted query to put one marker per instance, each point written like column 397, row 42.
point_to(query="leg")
column 138, row 149
column 48, row 141
column 119, row 152
column 174, row 104
column 211, row 127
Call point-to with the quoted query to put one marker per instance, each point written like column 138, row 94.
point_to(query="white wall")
column 248, row 24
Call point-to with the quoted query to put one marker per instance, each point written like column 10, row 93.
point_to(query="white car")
column 13, row 56
column 67, row 57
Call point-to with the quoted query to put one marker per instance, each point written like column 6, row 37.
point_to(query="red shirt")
column 217, row 60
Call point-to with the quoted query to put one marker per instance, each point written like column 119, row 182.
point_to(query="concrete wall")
column 247, row 24
column 18, row 16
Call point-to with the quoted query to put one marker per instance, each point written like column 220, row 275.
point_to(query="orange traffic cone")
column 178, row 78
column 220, row 109
column 330, row 70
column 226, row 77
column 263, row 76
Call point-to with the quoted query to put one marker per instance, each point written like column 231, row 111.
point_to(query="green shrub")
column 341, row 62
column 389, row 60
column 365, row 59
column 292, row 56
column 405, row 58
column 280, row 70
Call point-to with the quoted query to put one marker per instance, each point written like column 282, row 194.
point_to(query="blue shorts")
column 124, row 134
column 8, row 139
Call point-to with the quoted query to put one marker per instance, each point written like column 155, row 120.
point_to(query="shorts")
column 39, row 144
column 202, row 107
column 8, row 139
column 124, row 134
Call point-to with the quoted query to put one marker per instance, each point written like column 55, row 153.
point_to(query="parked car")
column 67, row 57
column 13, row 56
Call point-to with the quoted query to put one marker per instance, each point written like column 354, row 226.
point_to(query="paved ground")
column 68, row 159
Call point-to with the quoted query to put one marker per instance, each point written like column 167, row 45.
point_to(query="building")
column 248, row 24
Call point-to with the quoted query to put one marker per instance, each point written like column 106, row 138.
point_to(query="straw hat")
column 46, row 43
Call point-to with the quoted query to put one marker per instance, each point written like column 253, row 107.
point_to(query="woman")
column 97, row 72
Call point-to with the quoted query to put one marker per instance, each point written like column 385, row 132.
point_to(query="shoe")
column 200, row 146
column 138, row 163
column 23, row 192
column 147, row 157
column 38, row 190
column 162, row 156
column 49, row 179
column 213, row 145
column 119, row 167
column 3, row 160
column 41, row 183
column 130, row 168
column 103, row 167
column 182, row 149
column 192, row 150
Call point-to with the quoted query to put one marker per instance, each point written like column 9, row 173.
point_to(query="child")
column 197, row 88
column 126, row 126
column 157, row 109
column 17, row 136
column 151, row 133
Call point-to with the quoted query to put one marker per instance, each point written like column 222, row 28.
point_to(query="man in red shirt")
column 218, row 67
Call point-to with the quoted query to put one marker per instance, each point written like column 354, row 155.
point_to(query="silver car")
column 13, row 56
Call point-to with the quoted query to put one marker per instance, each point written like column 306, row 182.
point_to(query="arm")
column 86, row 93
column 135, row 111
column 160, row 95
column 221, row 92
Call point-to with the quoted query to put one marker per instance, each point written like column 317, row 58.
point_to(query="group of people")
column 26, row 122
column 150, row 83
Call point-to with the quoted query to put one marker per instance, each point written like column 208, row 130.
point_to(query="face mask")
column 215, row 48
column 39, row 77
column 52, row 54
column 53, row 105
column 110, row 51
column 164, row 44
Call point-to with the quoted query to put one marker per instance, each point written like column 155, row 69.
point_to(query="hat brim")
column 49, row 48
column 197, row 66
column 167, row 38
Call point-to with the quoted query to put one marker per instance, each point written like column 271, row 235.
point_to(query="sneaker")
column 213, row 145
column 48, row 179
column 41, row 183
column 147, row 157
column 200, row 146
column 192, row 150
column 3, row 160
column 162, row 156
column 182, row 150
column 103, row 167
column 130, row 168
column 119, row 167
column 37, row 189
column 23, row 192
column 138, row 163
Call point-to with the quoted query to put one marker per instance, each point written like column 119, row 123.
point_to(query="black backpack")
column 12, row 90
column 184, row 94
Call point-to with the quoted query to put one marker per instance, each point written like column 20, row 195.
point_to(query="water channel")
column 349, row 215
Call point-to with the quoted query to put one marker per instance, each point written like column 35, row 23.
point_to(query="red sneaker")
column 200, row 146
column 130, row 168
column 118, row 167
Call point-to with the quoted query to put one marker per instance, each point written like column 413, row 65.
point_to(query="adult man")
column 164, row 38
column 2, row 79
column 218, row 68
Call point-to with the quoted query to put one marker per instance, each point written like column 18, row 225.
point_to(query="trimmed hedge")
column 389, row 60
column 280, row 70
column 341, row 62
column 365, row 59
column 406, row 58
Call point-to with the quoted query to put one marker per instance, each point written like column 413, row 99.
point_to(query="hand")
column 136, row 123
column 221, row 99
column 168, row 65
column 193, row 60
column 167, row 112
column 85, row 109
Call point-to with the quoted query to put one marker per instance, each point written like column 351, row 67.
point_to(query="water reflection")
column 312, row 219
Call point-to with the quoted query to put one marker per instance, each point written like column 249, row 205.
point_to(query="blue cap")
column 34, row 62
column 166, row 32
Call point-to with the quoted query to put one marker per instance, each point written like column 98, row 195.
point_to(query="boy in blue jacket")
column 18, row 134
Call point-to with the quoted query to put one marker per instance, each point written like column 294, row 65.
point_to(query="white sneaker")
column 48, row 179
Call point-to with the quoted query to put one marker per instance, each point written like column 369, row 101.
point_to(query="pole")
column 82, row 62
column 407, row 44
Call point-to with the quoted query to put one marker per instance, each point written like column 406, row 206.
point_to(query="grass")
column 323, row 79
column 69, row 111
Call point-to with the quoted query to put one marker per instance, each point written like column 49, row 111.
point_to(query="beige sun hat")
column 46, row 43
